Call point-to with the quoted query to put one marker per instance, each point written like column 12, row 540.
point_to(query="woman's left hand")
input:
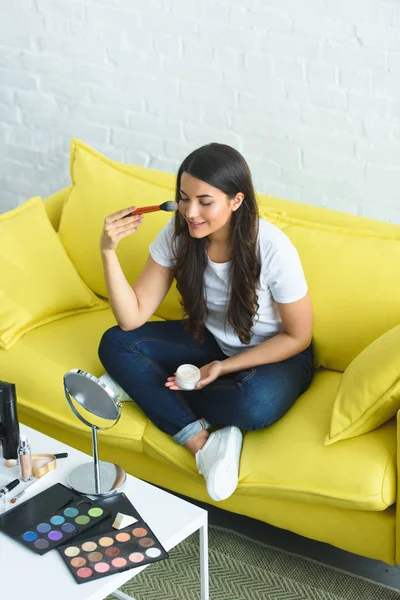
column 208, row 374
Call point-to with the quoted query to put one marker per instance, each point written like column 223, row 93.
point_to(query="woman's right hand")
column 117, row 227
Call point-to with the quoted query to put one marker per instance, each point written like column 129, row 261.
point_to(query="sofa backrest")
column 351, row 264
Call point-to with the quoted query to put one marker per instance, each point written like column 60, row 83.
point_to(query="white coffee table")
column 24, row 574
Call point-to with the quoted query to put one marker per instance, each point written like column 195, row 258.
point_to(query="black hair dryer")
column 9, row 426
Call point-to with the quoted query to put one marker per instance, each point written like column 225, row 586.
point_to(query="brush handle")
column 142, row 210
column 145, row 209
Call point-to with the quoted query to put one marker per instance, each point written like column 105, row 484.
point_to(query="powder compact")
column 51, row 518
column 112, row 552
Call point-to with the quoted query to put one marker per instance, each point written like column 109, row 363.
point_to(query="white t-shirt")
column 281, row 280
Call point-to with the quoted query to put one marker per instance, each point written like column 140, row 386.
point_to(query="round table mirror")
column 95, row 405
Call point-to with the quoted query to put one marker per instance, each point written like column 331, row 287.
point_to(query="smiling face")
column 206, row 209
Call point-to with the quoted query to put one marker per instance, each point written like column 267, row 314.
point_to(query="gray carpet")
column 242, row 569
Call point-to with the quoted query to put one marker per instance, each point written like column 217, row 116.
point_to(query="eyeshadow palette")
column 51, row 518
column 112, row 552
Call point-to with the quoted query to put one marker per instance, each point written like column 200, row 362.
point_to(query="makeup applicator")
column 169, row 206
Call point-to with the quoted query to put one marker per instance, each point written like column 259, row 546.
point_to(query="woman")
column 249, row 316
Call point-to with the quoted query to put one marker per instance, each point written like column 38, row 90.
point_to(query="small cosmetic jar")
column 187, row 376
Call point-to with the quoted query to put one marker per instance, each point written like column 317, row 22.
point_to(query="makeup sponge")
column 122, row 521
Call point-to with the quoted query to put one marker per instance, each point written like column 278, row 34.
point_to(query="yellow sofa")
column 343, row 493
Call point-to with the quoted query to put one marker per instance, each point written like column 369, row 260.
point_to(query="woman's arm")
column 297, row 323
column 134, row 305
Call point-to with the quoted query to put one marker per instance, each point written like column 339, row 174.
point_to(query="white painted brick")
column 317, row 96
column 340, row 170
column 155, row 24
column 263, row 168
column 194, row 50
column 289, row 69
column 304, row 179
column 17, row 79
column 88, row 132
column 152, row 125
column 352, row 79
column 171, row 107
column 378, row 37
column 390, row 177
column 163, row 164
column 250, row 103
column 322, row 28
column 227, row 58
column 200, row 135
column 321, row 75
column 307, row 196
column 274, row 189
column 64, row 88
column 259, row 18
column 217, row 119
column 386, row 84
column 112, row 99
column 245, row 125
column 96, row 114
column 367, row 106
column 111, row 15
column 290, row 46
column 263, row 83
column 231, row 37
column 379, row 130
column 177, row 149
column 199, row 11
column 332, row 144
column 378, row 153
column 10, row 115
column 281, row 152
column 192, row 73
column 154, row 84
column 73, row 49
column 169, row 46
column 118, row 60
column 201, row 96
column 332, row 120
column 127, row 139
column 19, row 135
column 356, row 11
column 67, row 10
column 340, row 55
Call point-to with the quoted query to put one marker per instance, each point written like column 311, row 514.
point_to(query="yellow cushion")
column 349, row 272
column 369, row 391
column 101, row 187
column 38, row 283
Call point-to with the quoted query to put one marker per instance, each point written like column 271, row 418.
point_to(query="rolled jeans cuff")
column 190, row 430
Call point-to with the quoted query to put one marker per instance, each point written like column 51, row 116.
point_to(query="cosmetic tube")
column 25, row 459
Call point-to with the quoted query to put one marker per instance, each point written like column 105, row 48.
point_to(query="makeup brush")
column 169, row 206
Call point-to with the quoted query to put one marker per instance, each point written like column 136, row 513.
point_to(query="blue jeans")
column 141, row 360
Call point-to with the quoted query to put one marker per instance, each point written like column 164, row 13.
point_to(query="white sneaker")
column 218, row 461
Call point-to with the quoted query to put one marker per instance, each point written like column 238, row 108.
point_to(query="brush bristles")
column 169, row 206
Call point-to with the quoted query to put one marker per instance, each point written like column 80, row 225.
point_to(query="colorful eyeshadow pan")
column 71, row 512
column 61, row 527
column 113, row 552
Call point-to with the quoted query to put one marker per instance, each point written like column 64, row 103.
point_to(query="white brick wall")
column 308, row 91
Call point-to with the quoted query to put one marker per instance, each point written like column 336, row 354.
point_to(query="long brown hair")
column 222, row 167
